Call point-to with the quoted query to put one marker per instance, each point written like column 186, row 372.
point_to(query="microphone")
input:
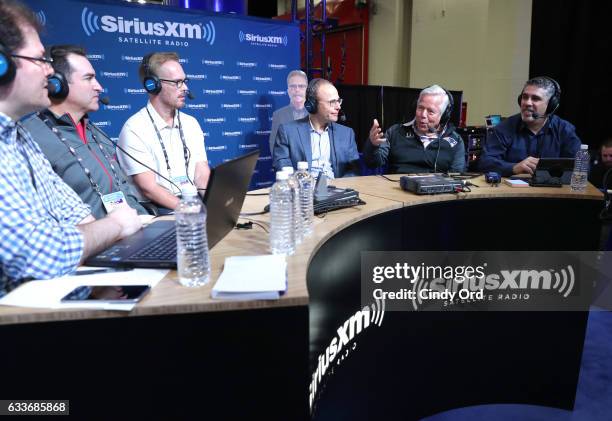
column 190, row 95
column 104, row 100
column 537, row 116
column 341, row 116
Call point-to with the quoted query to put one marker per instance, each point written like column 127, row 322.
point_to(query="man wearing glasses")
column 162, row 138
column 80, row 153
column 46, row 229
column 297, row 81
column 328, row 147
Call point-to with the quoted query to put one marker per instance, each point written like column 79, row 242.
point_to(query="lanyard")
column 185, row 150
column 74, row 153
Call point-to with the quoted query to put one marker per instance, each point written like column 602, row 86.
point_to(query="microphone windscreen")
column 190, row 95
column 342, row 118
column 105, row 100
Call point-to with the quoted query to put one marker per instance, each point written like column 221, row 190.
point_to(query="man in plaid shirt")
column 45, row 228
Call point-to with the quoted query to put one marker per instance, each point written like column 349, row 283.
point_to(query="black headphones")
column 151, row 82
column 7, row 66
column 311, row 102
column 555, row 99
column 57, row 84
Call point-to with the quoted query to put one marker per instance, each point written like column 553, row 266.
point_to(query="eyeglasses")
column 178, row 83
column 334, row 102
column 40, row 61
column 300, row 86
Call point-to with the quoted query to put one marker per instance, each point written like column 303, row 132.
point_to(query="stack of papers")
column 252, row 278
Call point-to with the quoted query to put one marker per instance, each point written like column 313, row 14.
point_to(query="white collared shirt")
column 138, row 137
column 321, row 149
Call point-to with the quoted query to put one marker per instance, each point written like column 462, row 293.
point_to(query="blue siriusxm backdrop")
column 237, row 66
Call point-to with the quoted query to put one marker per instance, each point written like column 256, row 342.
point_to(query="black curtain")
column 571, row 41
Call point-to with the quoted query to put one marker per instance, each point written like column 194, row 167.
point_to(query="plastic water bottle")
column 192, row 257
column 580, row 175
column 306, row 183
column 282, row 239
column 297, row 214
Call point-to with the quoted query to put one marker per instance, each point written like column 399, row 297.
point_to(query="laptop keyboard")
column 162, row 249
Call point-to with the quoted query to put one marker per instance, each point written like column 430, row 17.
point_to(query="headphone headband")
column 311, row 102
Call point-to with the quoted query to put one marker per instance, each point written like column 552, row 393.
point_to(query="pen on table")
column 101, row 270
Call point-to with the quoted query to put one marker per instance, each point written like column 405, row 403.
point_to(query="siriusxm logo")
column 245, row 92
column 231, row 106
column 230, row 77
column 115, row 75
column 278, row 93
column 213, row 62
column 42, row 19
column 215, row 120
column 247, row 119
column 102, row 123
column 249, row 146
column 108, row 23
column 263, row 132
column 121, row 107
column 197, row 77
column 338, row 347
column 95, row 57
column 132, row 91
column 216, row 148
column 262, row 105
column 232, row 134
column 262, row 79
column 196, row 106
column 133, row 59
column 277, row 66
column 213, row 91
column 257, row 39
column 246, row 64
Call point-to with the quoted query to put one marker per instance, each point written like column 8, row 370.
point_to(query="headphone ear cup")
column 152, row 84
column 555, row 100
column 57, row 86
column 310, row 105
column 7, row 66
column 446, row 116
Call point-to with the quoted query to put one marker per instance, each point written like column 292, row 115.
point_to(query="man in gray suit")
column 328, row 147
column 297, row 81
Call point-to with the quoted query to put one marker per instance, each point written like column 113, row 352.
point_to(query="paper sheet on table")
column 252, row 278
column 48, row 293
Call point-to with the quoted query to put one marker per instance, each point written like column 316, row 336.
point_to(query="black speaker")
column 555, row 99
column 7, row 66
column 311, row 102
column 57, row 86
column 151, row 82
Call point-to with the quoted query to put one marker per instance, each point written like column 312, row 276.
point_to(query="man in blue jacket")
column 516, row 144
column 327, row 146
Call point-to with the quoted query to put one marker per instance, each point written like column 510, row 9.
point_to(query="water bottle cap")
column 288, row 170
column 281, row 175
column 302, row 165
column 189, row 190
column 583, row 146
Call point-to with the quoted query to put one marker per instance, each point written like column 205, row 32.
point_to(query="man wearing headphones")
column 601, row 165
column 80, row 153
column 327, row 146
column 428, row 143
column 297, row 82
column 515, row 145
column 168, row 143
column 46, row 229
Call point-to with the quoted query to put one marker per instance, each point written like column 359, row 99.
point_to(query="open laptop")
column 155, row 245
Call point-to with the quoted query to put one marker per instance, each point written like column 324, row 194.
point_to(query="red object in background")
column 463, row 118
column 346, row 44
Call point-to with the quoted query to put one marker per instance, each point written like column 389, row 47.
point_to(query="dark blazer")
column 292, row 145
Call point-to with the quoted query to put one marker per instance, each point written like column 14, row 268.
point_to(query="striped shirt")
column 38, row 213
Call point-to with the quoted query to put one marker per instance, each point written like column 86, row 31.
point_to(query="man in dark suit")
column 297, row 81
column 327, row 146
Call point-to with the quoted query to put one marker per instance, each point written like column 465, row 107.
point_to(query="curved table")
column 189, row 354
